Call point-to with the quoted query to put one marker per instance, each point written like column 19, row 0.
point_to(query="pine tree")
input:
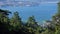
column 33, row 27
column 4, row 21
column 16, row 21
column 56, row 20
column 4, row 15
column 31, row 21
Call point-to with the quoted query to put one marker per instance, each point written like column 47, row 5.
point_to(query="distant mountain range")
column 24, row 2
column 19, row 3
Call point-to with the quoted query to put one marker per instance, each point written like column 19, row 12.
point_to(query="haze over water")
column 41, row 12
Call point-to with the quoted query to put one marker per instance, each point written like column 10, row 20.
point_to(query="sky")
column 41, row 9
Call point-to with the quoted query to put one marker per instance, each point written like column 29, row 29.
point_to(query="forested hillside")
column 15, row 25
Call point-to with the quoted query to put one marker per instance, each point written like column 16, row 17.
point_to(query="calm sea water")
column 41, row 12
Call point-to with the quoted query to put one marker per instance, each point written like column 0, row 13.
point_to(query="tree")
column 56, row 20
column 49, row 28
column 4, row 20
column 31, row 21
column 16, row 21
column 32, row 25
column 4, row 15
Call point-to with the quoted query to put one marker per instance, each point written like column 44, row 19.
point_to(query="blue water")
column 41, row 12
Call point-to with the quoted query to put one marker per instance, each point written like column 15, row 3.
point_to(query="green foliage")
column 56, row 20
column 15, row 25
column 31, row 21
column 15, row 21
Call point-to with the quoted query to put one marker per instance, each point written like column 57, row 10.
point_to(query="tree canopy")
column 15, row 25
